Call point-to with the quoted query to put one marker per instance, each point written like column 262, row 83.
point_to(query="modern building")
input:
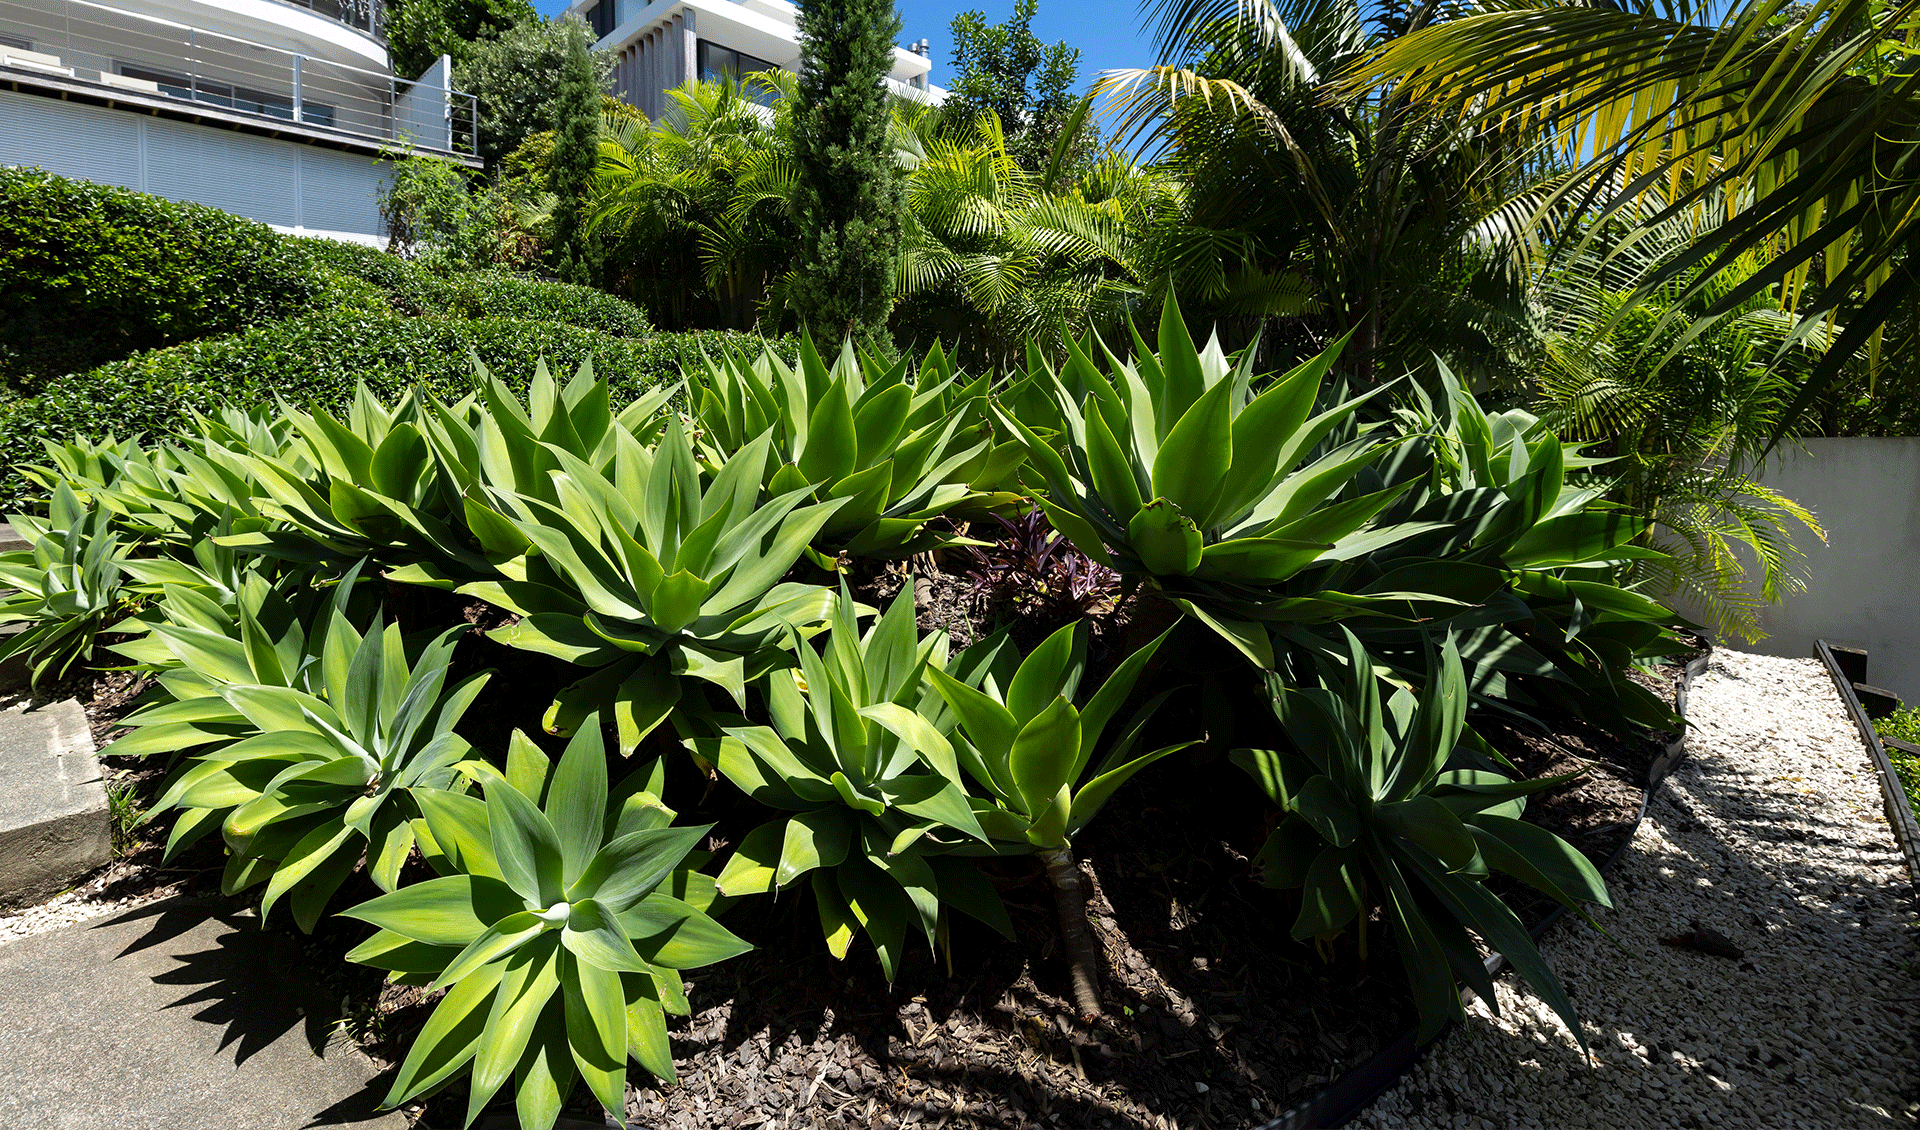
column 285, row 111
column 659, row 44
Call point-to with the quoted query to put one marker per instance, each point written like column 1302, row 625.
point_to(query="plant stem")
column 1070, row 905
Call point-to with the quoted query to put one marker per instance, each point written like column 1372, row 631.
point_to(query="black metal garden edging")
column 1355, row 1090
column 1906, row 830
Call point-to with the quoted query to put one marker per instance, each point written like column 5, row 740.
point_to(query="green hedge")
column 414, row 291
column 91, row 273
column 317, row 360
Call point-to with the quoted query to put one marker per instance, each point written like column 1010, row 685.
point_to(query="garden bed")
column 1215, row 1016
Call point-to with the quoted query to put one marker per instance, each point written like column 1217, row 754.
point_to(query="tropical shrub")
column 647, row 576
column 896, row 451
column 1385, row 807
column 318, row 362
column 65, row 589
column 859, row 753
column 90, row 273
column 552, row 928
column 311, row 735
column 1176, row 470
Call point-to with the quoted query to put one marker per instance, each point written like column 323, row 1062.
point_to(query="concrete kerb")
column 54, row 822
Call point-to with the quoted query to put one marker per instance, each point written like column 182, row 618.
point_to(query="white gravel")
column 86, row 901
column 1772, row 834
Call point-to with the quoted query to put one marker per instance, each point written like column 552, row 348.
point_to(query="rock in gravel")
column 1772, row 822
column 1707, row 940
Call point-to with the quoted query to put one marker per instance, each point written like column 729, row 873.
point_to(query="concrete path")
column 179, row 1015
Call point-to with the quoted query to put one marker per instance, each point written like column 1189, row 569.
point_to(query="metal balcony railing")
column 91, row 42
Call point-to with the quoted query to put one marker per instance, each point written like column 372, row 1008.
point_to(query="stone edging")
column 1906, row 830
column 1355, row 1090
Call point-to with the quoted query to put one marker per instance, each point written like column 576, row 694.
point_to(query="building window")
column 717, row 63
column 600, row 19
column 723, row 64
column 234, row 97
column 18, row 42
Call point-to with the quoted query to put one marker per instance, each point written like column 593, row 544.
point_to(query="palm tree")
column 1799, row 124
column 681, row 197
column 1686, row 415
column 1311, row 214
column 997, row 256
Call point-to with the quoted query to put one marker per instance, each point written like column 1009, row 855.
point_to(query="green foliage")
column 1031, row 749
column 646, row 573
column 1028, row 84
column 1503, row 488
column 847, row 200
column 64, row 590
column 859, row 752
column 1385, row 808
column 576, row 150
column 517, row 78
column 1687, row 406
column 310, row 733
column 552, row 927
column 91, row 273
column 317, row 361
column 1176, row 469
column 420, row 31
column 1904, row 725
column 895, row 451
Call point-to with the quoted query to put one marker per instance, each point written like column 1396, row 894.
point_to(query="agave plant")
column 646, row 576
column 1384, row 808
column 1024, row 741
column 553, row 931
column 1178, row 471
column 1567, row 631
column 308, row 743
column 896, row 451
column 858, row 752
column 66, row 588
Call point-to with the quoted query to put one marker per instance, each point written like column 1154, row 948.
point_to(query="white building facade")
column 659, row 44
column 283, row 111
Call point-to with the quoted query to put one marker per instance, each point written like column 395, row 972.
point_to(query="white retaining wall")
column 1865, row 589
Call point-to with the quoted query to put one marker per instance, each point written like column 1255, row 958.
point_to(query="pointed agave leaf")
column 1043, row 755
column 525, row 845
column 577, row 801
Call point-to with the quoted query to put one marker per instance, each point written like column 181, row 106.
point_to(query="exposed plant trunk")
column 1070, row 905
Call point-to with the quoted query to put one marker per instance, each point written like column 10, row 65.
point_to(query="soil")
column 1215, row 1017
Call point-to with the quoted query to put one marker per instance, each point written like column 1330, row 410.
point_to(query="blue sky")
column 1109, row 33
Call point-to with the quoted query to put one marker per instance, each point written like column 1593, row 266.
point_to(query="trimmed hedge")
column 414, row 291
column 91, row 273
column 317, row 360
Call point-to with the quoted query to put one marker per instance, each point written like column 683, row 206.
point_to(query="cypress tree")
column 848, row 198
column 576, row 152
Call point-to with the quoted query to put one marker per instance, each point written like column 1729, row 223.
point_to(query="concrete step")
column 10, row 539
column 180, row 1015
column 54, row 826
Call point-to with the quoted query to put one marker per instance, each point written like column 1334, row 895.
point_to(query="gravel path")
column 1771, row 833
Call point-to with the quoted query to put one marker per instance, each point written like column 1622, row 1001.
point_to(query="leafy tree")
column 848, row 198
column 1029, row 84
column 517, row 78
column 1310, row 214
column 1806, row 112
column 576, row 148
column 420, row 31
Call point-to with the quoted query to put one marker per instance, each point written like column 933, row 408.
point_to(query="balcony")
column 369, row 16
column 130, row 58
